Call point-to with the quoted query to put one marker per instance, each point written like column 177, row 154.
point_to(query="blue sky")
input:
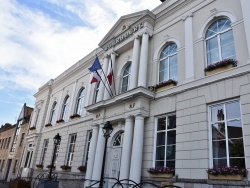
column 42, row 38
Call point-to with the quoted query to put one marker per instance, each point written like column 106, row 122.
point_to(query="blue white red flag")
column 96, row 65
column 96, row 78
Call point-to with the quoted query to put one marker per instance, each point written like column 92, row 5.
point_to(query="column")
column 245, row 4
column 113, row 58
column 99, row 155
column 102, row 87
column 189, row 48
column 135, row 64
column 137, row 148
column 126, row 148
column 107, row 92
column 142, row 79
column 92, row 151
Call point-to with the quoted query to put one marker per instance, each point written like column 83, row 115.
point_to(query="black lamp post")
column 57, row 140
column 107, row 130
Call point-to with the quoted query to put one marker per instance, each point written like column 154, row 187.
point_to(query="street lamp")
column 57, row 140
column 107, row 130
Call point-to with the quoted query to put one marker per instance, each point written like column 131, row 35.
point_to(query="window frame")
column 70, row 155
column 52, row 112
column 155, row 138
column 161, row 60
column 96, row 91
column 65, row 105
column 37, row 115
column 128, row 65
column 210, row 123
column 87, row 147
column 44, row 151
column 218, row 36
column 79, row 101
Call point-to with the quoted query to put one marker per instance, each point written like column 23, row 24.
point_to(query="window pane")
column 212, row 44
column 170, row 153
column 212, row 30
column 159, row 163
column 161, row 124
column 217, row 113
column 163, row 64
column 171, row 137
column 236, row 148
column 219, row 149
column 162, row 76
column 171, row 122
column 223, row 24
column 240, row 162
column 160, row 151
column 219, row 162
column 170, row 164
column 233, row 110
column 226, row 38
column 173, row 67
column 213, row 56
column 161, row 138
column 218, row 131
column 228, row 51
column 234, row 129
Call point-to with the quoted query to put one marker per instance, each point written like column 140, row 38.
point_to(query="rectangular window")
column 37, row 115
column 86, row 156
column 165, row 141
column 71, row 149
column 8, row 143
column 15, row 167
column 44, row 151
column 226, row 135
column 0, row 143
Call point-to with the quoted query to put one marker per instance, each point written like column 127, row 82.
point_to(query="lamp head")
column 57, row 139
column 107, row 129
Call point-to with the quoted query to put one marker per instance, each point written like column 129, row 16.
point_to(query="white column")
column 99, row 155
column 92, row 152
column 72, row 101
column 102, row 87
column 189, row 48
column 245, row 5
column 137, row 148
column 142, row 80
column 135, row 64
column 107, row 92
column 127, row 148
column 113, row 58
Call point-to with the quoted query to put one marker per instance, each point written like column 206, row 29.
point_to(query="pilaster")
column 245, row 4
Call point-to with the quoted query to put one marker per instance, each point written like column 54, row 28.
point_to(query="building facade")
column 179, row 98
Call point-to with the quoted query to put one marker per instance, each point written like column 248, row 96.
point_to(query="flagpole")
column 113, row 76
column 105, row 76
column 103, row 83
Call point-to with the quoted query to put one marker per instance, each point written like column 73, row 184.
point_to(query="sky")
column 39, row 39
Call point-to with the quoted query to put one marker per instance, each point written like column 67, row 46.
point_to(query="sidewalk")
column 4, row 185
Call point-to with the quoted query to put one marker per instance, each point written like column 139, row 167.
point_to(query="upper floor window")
column 64, row 107
column 168, row 63
column 36, row 117
column 125, row 78
column 165, row 141
column 219, row 41
column 52, row 112
column 96, row 92
column 79, row 101
column 226, row 135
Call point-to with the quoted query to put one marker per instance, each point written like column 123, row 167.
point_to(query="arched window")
column 64, row 107
column 125, row 78
column 52, row 112
column 79, row 101
column 118, row 141
column 96, row 92
column 219, row 41
column 168, row 63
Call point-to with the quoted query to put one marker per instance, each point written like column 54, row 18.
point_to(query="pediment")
column 125, row 23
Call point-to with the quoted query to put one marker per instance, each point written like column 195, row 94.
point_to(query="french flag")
column 95, row 78
column 110, row 76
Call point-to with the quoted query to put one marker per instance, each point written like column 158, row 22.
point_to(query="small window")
column 71, row 149
column 22, row 138
column 118, row 139
column 125, row 79
column 8, row 143
column 168, row 63
column 219, row 41
column 88, row 141
column 64, row 107
column 79, row 101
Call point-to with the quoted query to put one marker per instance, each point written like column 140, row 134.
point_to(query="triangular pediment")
column 125, row 23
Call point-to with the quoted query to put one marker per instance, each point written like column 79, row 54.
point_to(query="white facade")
column 175, row 41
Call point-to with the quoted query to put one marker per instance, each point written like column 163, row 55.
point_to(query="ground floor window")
column 71, row 149
column 165, row 141
column 226, row 135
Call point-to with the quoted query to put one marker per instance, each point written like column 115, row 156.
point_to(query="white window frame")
column 65, row 107
column 126, row 76
column 79, row 101
column 225, row 121
column 96, row 91
column 52, row 112
column 155, row 137
column 36, row 118
column 70, row 155
column 87, row 146
column 44, row 151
